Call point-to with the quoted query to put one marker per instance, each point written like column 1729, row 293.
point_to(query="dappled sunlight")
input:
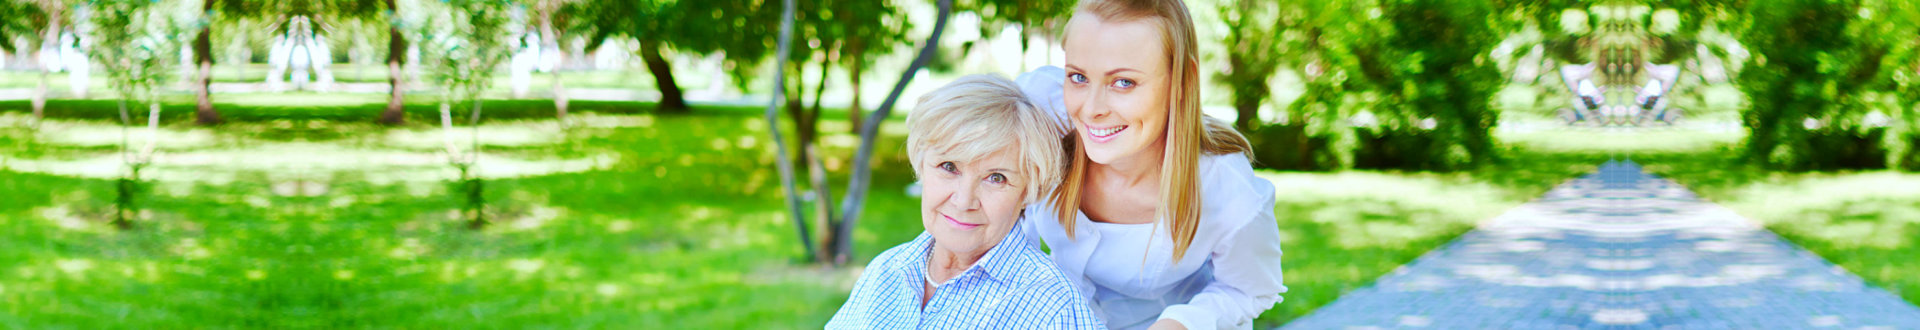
column 495, row 134
column 595, row 120
column 65, row 218
column 288, row 161
column 78, row 133
column 300, row 99
column 1694, row 136
column 582, row 195
column 1877, row 209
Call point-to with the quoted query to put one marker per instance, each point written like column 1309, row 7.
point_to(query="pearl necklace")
column 928, row 271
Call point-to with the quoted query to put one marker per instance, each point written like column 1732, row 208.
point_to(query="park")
column 729, row 164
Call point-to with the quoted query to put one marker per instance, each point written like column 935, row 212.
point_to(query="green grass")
column 686, row 227
column 637, row 78
column 338, row 108
column 1867, row 222
column 686, row 230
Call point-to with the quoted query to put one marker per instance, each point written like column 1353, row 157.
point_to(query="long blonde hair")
column 1188, row 131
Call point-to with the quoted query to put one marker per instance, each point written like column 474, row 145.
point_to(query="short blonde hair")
column 979, row 115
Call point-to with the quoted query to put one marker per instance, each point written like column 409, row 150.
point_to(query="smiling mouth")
column 1106, row 132
column 957, row 223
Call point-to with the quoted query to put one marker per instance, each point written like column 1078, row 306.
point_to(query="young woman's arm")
column 1246, row 279
column 1246, row 264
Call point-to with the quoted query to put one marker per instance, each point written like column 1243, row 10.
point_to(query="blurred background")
column 632, row 164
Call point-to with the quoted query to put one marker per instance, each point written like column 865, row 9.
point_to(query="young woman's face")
column 1117, row 88
column 969, row 206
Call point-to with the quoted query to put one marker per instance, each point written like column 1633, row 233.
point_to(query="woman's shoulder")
column 1042, row 278
column 1230, row 191
column 899, row 254
column 1233, row 174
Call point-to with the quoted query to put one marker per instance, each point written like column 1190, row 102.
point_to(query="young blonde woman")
column 1159, row 220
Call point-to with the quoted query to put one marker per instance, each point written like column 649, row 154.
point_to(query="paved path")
column 1619, row 249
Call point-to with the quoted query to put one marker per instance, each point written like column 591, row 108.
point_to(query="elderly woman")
column 982, row 152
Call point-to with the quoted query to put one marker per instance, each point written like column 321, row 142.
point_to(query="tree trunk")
column 853, row 109
column 823, row 205
column 1249, row 109
column 40, row 91
column 476, row 200
column 203, row 58
column 817, row 172
column 124, row 202
column 552, row 41
column 782, row 162
column 857, row 183
column 803, row 126
column 671, row 98
column 395, row 113
column 820, row 90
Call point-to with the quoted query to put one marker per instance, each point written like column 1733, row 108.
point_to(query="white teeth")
column 1105, row 132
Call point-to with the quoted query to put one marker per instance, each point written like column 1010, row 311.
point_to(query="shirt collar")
column 999, row 264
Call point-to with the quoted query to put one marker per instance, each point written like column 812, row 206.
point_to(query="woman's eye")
column 1123, row 83
column 949, row 167
column 1077, row 78
column 997, row 178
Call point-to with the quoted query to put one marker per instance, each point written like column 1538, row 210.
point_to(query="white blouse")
column 1229, row 275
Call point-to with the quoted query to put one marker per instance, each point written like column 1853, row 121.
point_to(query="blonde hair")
column 979, row 115
column 1188, row 131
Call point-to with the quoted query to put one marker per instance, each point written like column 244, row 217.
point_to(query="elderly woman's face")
column 1117, row 88
column 968, row 206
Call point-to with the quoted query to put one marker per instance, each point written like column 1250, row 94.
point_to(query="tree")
column 833, row 30
column 1253, row 55
column 837, row 245
column 39, row 23
column 395, row 112
column 1036, row 18
column 859, row 184
column 871, row 34
column 22, row 18
column 338, row 13
column 1894, row 22
column 466, row 40
column 1809, row 77
column 1389, row 84
column 386, row 12
column 138, row 42
column 732, row 27
column 203, row 63
column 550, row 15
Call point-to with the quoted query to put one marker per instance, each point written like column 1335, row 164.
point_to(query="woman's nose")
column 1096, row 104
column 964, row 197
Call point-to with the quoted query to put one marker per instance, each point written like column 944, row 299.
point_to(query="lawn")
column 633, row 219
column 1867, row 222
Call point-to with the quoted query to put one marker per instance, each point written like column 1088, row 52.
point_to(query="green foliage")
column 298, row 109
column 1814, row 77
column 1899, row 77
column 465, row 40
column 138, row 42
column 737, row 28
column 23, row 19
column 1414, row 72
column 866, row 30
column 1035, row 18
column 1253, row 55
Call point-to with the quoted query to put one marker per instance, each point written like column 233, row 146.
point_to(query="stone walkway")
column 1618, row 249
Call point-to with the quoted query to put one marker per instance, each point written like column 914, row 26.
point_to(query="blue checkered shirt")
column 1013, row 286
